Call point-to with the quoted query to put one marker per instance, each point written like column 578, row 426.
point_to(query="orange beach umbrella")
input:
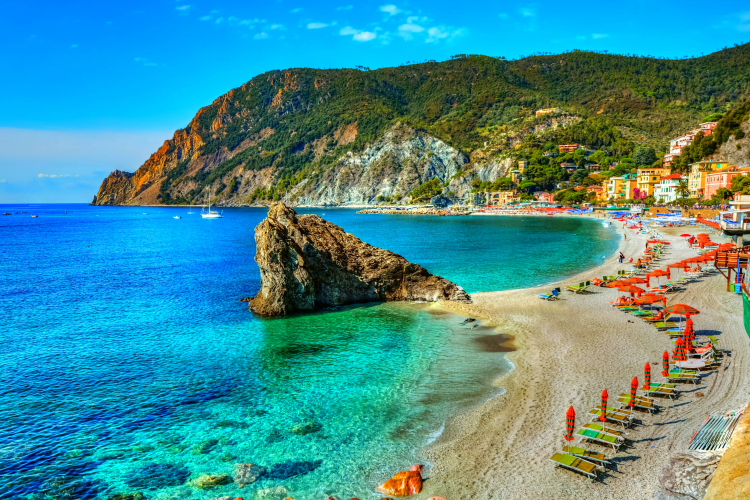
column 631, row 289
column 682, row 310
column 665, row 362
column 570, row 423
column 633, row 391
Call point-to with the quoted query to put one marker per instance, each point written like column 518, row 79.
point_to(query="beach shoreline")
column 566, row 352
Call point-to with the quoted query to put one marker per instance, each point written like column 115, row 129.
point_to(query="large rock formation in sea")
column 308, row 263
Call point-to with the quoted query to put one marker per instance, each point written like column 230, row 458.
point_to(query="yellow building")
column 648, row 178
column 621, row 188
column 502, row 198
column 698, row 173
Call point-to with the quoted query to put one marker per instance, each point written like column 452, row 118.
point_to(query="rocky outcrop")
column 308, row 263
column 736, row 151
column 404, row 483
column 687, row 476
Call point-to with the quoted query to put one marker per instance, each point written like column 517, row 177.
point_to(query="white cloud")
column 317, row 26
column 390, row 9
column 436, row 33
column 219, row 20
column 206, row 18
column 345, row 7
column 527, row 12
column 277, row 27
column 744, row 22
column 261, row 36
column 410, row 27
column 55, row 176
column 596, row 36
column 503, row 15
column 183, row 9
column 358, row 35
column 3, row 180
column 296, row 11
column 144, row 61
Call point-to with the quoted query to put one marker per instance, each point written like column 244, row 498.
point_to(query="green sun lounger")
column 639, row 403
column 590, row 455
column 605, row 430
column 613, row 416
column 671, row 393
column 600, row 438
column 662, row 325
column 576, row 464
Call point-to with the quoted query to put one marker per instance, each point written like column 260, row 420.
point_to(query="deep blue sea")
column 130, row 365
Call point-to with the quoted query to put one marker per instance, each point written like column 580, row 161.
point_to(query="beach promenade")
column 567, row 352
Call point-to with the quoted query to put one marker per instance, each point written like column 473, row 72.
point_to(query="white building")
column 666, row 190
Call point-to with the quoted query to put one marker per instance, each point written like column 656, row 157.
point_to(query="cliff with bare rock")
column 308, row 263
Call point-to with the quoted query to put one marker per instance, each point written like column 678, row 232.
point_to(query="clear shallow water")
column 129, row 364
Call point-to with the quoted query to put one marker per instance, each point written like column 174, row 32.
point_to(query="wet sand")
column 565, row 353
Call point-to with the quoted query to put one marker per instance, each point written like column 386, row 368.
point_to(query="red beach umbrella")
column 650, row 298
column 635, row 281
column 647, row 376
column 679, row 353
column 682, row 310
column 617, row 283
column 633, row 391
column 570, row 423
column 665, row 362
column 605, row 398
column 689, row 332
column 658, row 274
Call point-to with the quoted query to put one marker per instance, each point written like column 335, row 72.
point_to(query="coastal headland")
column 567, row 352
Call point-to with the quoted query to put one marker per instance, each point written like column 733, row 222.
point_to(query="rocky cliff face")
column 308, row 263
column 736, row 151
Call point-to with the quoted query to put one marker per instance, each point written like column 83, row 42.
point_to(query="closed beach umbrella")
column 647, row 376
column 605, row 398
column 679, row 353
column 570, row 423
column 689, row 332
column 682, row 310
column 633, row 391
column 665, row 362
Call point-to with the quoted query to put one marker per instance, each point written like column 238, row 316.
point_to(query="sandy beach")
column 567, row 352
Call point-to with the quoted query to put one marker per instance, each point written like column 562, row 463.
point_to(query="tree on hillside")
column 682, row 188
column 741, row 184
column 644, row 155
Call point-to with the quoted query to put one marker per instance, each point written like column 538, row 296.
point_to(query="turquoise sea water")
column 129, row 365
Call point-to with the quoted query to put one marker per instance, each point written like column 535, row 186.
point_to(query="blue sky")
column 90, row 86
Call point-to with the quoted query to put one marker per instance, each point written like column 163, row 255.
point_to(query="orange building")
column 568, row 148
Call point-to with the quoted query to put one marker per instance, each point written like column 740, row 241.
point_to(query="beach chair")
column 553, row 295
column 641, row 404
column 605, row 430
column 576, row 464
column 590, row 455
column 600, row 438
column 664, row 325
column 613, row 416
column 671, row 393
column 575, row 288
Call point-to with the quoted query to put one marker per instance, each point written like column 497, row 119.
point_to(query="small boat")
column 7, row 213
column 177, row 217
column 210, row 214
column 35, row 216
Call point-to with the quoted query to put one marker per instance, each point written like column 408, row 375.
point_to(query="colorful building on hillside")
column 548, row 111
column 668, row 189
column 648, row 178
column 621, row 188
column 568, row 148
column 544, row 197
column 708, row 128
column 722, row 179
column 522, row 165
column 502, row 198
column 698, row 173
column 569, row 166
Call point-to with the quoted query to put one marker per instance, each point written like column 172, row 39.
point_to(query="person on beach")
column 622, row 257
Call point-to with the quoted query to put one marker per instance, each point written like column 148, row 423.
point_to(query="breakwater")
column 415, row 211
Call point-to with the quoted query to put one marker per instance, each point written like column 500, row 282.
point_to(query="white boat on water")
column 177, row 217
column 210, row 214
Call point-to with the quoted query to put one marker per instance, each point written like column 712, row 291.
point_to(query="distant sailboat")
column 210, row 214
column 190, row 212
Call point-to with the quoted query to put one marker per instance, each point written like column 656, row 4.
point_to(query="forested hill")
column 358, row 135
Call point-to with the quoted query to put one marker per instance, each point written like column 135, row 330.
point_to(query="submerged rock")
column 208, row 481
column 156, row 476
column 404, row 483
column 308, row 263
column 205, row 447
column 305, row 428
column 128, row 496
column 288, row 470
column 278, row 492
column 245, row 474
